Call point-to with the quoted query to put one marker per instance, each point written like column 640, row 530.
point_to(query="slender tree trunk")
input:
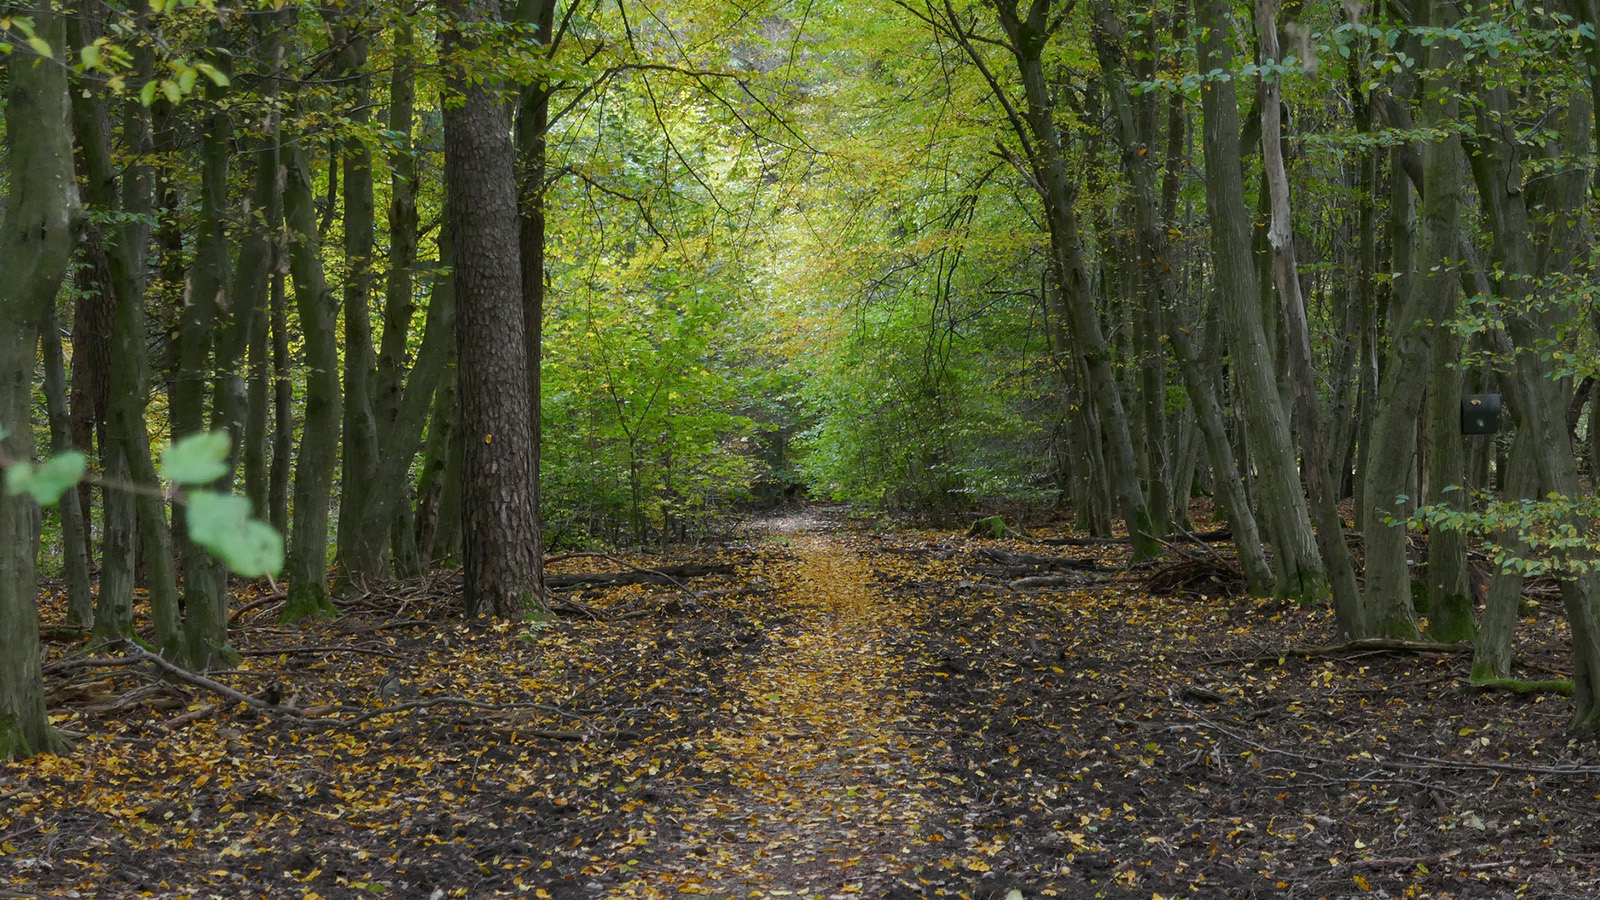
column 1300, row 569
column 1297, row 339
column 307, row 563
column 205, row 613
column 499, row 522
column 1450, row 602
column 404, row 435
column 1028, row 34
column 359, row 462
column 40, row 218
column 74, row 546
column 281, row 468
column 391, row 387
column 256, row 272
column 533, row 124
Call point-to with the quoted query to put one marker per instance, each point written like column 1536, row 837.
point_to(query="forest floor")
column 847, row 713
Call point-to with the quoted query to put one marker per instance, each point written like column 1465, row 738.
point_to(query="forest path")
column 815, row 787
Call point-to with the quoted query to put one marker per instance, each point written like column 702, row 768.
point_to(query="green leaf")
column 217, row 76
column 40, row 46
column 47, row 481
column 186, row 77
column 221, row 523
column 170, row 89
column 196, row 459
column 91, row 56
column 147, row 94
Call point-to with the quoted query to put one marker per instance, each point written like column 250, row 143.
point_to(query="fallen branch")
column 1369, row 645
column 140, row 654
column 67, row 665
column 1197, row 537
column 190, row 717
column 1041, row 581
column 1518, row 686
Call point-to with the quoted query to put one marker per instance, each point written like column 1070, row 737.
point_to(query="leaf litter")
column 848, row 714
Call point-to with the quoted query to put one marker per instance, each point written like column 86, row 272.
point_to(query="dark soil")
column 1079, row 740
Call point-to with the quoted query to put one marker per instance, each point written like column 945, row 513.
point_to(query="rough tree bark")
column 499, row 522
column 41, row 215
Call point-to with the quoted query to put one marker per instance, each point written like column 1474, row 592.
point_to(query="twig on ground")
column 306, row 651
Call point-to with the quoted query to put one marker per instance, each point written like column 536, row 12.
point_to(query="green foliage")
column 197, row 458
column 46, row 481
column 222, row 524
column 1554, row 530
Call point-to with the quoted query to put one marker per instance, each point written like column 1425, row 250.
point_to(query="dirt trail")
column 823, row 793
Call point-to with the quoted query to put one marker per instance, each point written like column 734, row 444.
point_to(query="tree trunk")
column 399, row 305
column 404, row 434
column 499, row 522
column 41, row 214
column 1028, row 36
column 74, row 546
column 205, row 599
column 307, row 563
column 359, row 462
column 1301, row 573
column 1429, row 296
column 533, row 123
column 1154, row 246
column 1297, row 339
column 1497, row 170
column 1451, row 606
column 1493, row 654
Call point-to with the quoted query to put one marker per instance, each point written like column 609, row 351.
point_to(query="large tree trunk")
column 1301, row 573
column 499, row 522
column 40, row 217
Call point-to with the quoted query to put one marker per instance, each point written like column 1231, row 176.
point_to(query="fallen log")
column 661, row 575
